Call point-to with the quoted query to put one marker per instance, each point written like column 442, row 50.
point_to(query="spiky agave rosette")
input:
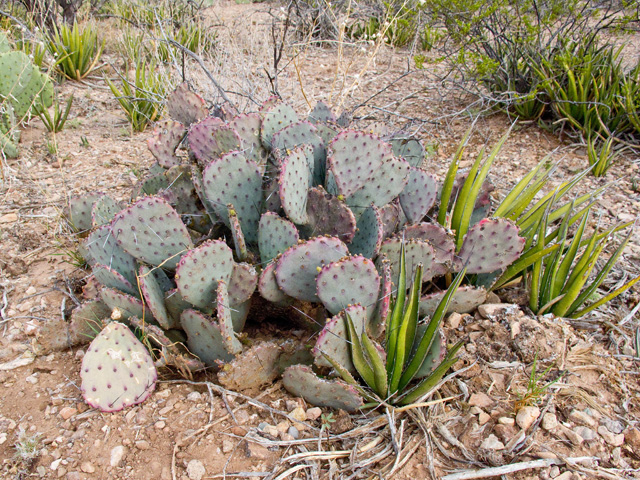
column 305, row 215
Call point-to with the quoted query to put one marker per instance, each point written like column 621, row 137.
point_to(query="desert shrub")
column 76, row 49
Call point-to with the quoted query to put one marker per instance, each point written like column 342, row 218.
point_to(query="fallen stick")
column 515, row 467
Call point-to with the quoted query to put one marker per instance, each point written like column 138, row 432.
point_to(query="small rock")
column 68, row 412
column 492, row 443
column 258, row 451
column 242, row 416
column 10, row 218
column 586, row 433
column 293, row 431
column 632, row 436
column 582, row 418
column 554, row 472
column 61, row 472
column 283, row 426
column 87, row 467
column 143, row 445
column 195, row 470
column 194, row 397
column 55, row 464
column 117, row 453
column 483, row 418
column 240, row 431
column 481, row 400
column 564, row 476
column 614, row 426
column 454, row 320
column 160, row 424
column 572, row 436
column 284, row 436
column 489, row 310
column 549, row 421
column 526, row 416
column 291, row 404
column 314, row 413
column 227, row 446
column 610, row 438
column 299, row 414
column 73, row 476
column 505, row 432
column 507, row 421
column 31, row 379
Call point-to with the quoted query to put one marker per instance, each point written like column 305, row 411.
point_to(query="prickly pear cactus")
column 117, row 370
column 274, row 215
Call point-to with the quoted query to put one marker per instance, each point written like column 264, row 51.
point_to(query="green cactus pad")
column 464, row 300
column 104, row 210
column 275, row 235
column 242, row 283
column 299, row 265
column 16, row 70
column 225, row 322
column 78, row 211
column 112, row 279
column 186, row 106
column 175, row 304
column 274, row 119
column 354, row 158
column 302, row 382
column 387, row 183
column 348, row 281
column 151, row 184
column 152, row 231
column 181, row 195
column 200, row 270
column 117, row 370
column 236, row 180
column 204, row 338
column 321, row 113
column 294, row 183
column 122, row 305
column 268, row 286
column 490, row 245
column 209, row 140
column 436, row 353
column 247, row 126
column 327, row 215
column 166, row 137
column 442, row 241
column 419, row 195
column 254, row 368
column 303, row 133
column 37, row 93
column 369, row 233
column 236, row 233
column 416, row 252
column 102, row 249
column 410, row 149
column 326, row 132
column 272, row 202
column 196, row 178
column 390, row 216
column 333, row 338
column 154, row 298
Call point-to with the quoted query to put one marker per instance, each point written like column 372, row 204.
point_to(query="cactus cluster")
column 22, row 86
column 304, row 217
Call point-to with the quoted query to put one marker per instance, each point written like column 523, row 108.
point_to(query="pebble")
column 284, row 436
column 31, row 379
column 87, row 467
column 483, row 418
column 73, row 476
column 55, row 464
column 160, row 424
column 299, row 414
column 586, row 433
column 291, row 405
column 227, row 446
column 614, row 426
column 143, row 445
column 554, row 472
column 549, row 421
column 489, row 310
column 242, row 416
column 31, row 290
column 481, row 400
column 194, row 397
column 506, row 421
column 526, row 416
column 195, row 470
column 492, row 443
column 582, row 418
column 293, row 431
column 632, row 436
column 283, row 426
column 454, row 320
column 610, row 438
column 68, row 412
column 314, row 413
column 117, row 453
column 564, row 476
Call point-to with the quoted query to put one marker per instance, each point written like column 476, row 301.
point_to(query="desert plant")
column 601, row 155
column 76, row 50
column 141, row 98
column 55, row 123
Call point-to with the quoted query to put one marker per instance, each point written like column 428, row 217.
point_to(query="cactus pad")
column 369, row 233
column 210, row 139
column 378, row 323
column 117, row 370
column 104, row 210
column 490, row 245
column 152, row 231
column 327, row 215
column 247, row 126
column 236, row 180
column 112, row 279
column 78, row 211
column 294, row 183
column 416, row 252
column 165, row 140
column 410, row 149
column 200, row 270
column 242, row 283
column 204, row 338
column 332, row 339
column 419, row 195
column 464, row 300
column 301, row 381
column 102, row 249
column 321, row 113
column 154, row 298
column 299, row 265
column 254, row 368
column 274, row 119
column 268, row 286
column 236, row 233
column 348, row 281
column 122, row 305
column 87, row 320
column 225, row 322
column 303, row 133
column 442, row 241
column 186, row 106
column 275, row 235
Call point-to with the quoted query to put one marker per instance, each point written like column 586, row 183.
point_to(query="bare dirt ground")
column 585, row 425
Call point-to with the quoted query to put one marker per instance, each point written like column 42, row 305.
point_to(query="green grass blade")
column 377, row 364
column 393, row 321
column 447, row 187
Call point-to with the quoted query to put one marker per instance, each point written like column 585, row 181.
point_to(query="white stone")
column 610, row 438
column 549, row 421
column 196, row 470
column 492, row 443
column 117, row 453
column 526, row 416
column 87, row 467
column 194, row 397
column 55, row 464
column 586, row 433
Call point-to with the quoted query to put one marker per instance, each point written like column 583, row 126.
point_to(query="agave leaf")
column 346, row 376
column 377, row 364
column 357, row 356
column 393, row 321
column 447, row 187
